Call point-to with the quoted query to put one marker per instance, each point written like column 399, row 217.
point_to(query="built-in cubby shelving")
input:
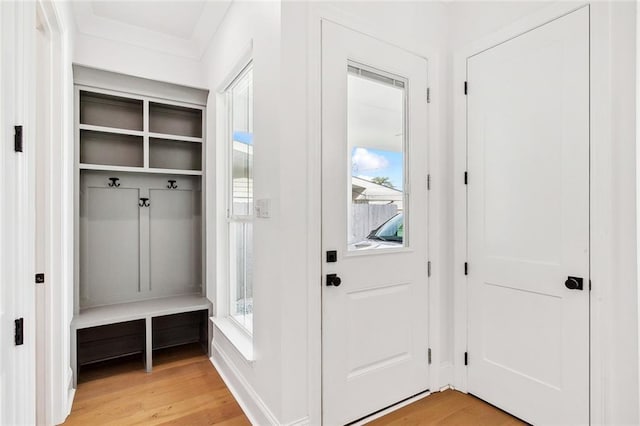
column 139, row 218
column 141, row 133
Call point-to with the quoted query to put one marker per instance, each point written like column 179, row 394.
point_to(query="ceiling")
column 183, row 28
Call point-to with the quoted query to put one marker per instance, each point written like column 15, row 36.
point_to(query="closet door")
column 528, row 223
column 174, row 240
column 110, row 261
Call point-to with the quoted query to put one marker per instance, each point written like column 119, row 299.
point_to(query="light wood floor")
column 185, row 389
column 448, row 408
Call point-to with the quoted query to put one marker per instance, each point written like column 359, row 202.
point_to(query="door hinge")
column 39, row 278
column 466, row 358
column 428, row 95
column 19, row 333
column 466, row 178
column 429, row 268
column 466, row 268
column 429, row 355
column 466, row 88
column 589, row 285
column 17, row 139
column 428, row 182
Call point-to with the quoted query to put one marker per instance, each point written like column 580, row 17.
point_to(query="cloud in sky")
column 362, row 160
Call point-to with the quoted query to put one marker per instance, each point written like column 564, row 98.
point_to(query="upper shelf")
column 125, row 114
column 99, row 109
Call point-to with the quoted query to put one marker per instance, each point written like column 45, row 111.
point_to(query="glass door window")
column 376, row 139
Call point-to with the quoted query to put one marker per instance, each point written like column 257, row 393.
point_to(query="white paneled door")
column 374, row 224
column 528, row 223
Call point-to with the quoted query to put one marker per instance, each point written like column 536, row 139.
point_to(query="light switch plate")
column 263, row 208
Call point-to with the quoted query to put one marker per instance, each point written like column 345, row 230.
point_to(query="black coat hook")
column 114, row 182
column 172, row 184
column 144, row 202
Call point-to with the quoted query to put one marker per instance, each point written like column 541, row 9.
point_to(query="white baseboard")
column 71, row 394
column 254, row 408
column 70, row 397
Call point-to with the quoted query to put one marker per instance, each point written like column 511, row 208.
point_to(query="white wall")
column 621, row 355
column 471, row 20
column 255, row 27
column 129, row 59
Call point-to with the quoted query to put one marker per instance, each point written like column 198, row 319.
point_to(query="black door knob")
column 573, row 283
column 334, row 280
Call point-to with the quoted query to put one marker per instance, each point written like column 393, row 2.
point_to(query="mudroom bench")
column 113, row 331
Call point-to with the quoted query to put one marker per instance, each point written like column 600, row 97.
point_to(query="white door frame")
column 439, row 373
column 602, row 182
column 55, row 388
column 18, row 296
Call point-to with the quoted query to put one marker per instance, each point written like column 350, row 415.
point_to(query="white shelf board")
column 140, row 133
column 176, row 172
column 111, row 130
column 174, row 137
column 111, row 314
column 108, row 168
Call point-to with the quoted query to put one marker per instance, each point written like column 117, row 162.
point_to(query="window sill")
column 239, row 339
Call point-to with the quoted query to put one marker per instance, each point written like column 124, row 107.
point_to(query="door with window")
column 374, row 224
column 528, row 219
